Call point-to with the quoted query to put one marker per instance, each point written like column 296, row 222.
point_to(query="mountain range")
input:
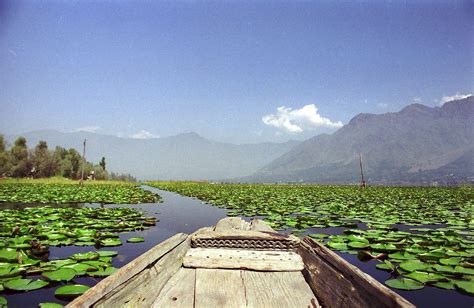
column 185, row 156
column 418, row 144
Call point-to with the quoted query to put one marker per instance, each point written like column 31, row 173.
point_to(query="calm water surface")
column 183, row 214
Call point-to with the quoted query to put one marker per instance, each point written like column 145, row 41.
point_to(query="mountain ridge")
column 413, row 141
column 185, row 156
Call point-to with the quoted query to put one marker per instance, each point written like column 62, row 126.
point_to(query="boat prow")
column 239, row 264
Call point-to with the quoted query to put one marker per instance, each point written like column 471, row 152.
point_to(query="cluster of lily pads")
column 27, row 234
column 422, row 236
column 22, row 273
column 74, row 193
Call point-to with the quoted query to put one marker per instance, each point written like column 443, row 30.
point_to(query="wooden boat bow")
column 239, row 264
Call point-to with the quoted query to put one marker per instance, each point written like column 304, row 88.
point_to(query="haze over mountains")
column 182, row 157
column 419, row 144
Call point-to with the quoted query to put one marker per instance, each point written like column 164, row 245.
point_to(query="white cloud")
column 417, row 99
column 382, row 105
column 143, row 134
column 297, row 120
column 454, row 97
column 88, row 129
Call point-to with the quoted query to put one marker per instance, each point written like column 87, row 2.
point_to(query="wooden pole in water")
column 83, row 161
column 362, row 181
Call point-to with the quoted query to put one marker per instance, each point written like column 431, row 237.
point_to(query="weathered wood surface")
column 259, row 225
column 178, row 291
column 337, row 283
column 231, row 224
column 244, row 239
column 127, row 272
column 219, row 288
column 277, row 289
column 260, row 260
column 143, row 289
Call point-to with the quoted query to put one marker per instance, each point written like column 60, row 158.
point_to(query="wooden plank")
column 144, row 288
column 128, row 271
column 260, row 225
column 260, row 260
column 277, row 289
column 232, row 223
column 178, row 291
column 219, row 288
column 245, row 239
column 337, row 283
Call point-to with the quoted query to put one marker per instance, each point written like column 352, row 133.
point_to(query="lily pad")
column 50, row 305
column 25, row 284
column 107, row 253
column 425, row 277
column 135, row 240
column 465, row 286
column 337, row 245
column 404, row 284
column 8, row 254
column 86, row 256
column 358, row 245
column 110, row 242
column 448, row 285
column 3, row 302
column 62, row 274
column 413, row 265
column 71, row 291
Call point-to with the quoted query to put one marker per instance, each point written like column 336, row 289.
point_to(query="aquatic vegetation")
column 74, row 193
column 421, row 236
column 71, row 291
column 27, row 234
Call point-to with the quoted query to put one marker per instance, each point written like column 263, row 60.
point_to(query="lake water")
column 183, row 214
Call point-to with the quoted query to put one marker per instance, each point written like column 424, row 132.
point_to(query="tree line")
column 40, row 162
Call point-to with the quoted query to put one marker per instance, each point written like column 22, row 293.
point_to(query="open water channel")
column 183, row 214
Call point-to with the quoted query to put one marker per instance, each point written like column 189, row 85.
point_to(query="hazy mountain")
column 185, row 156
column 417, row 144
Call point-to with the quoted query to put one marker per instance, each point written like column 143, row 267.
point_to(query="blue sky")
column 235, row 71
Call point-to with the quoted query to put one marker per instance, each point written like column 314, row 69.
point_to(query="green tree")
column 5, row 159
column 102, row 163
column 21, row 165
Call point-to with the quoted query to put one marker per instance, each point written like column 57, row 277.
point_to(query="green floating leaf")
column 425, row 277
column 107, row 253
column 318, row 235
column 337, row 245
column 110, row 242
column 8, row 254
column 404, row 284
column 358, row 244
column 465, row 286
column 464, row 270
column 3, row 302
column 135, row 240
column 413, row 265
column 81, row 268
column 62, row 274
column 86, row 256
column 383, row 247
column 25, row 284
column 450, row 261
column 444, row 269
column 10, row 271
column 386, row 266
column 50, row 305
column 448, row 285
column 71, row 291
